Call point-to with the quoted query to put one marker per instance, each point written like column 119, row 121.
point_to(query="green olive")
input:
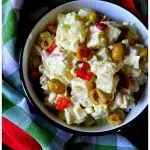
column 46, row 43
column 104, row 41
column 92, row 16
column 45, row 40
column 116, row 118
column 97, row 96
column 118, row 52
column 56, row 86
column 36, row 62
column 45, row 34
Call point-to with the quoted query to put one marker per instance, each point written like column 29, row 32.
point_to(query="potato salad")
column 89, row 67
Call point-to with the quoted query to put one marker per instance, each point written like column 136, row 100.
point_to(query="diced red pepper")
column 84, row 53
column 52, row 48
column 84, row 73
column 83, row 70
column 88, row 76
column 62, row 103
column 85, row 67
column 101, row 26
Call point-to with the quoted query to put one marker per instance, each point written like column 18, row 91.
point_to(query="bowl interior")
column 116, row 13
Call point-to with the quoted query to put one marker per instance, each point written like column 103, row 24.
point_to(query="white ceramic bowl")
column 116, row 13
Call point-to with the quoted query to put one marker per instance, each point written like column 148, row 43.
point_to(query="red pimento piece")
column 101, row 26
column 83, row 72
column 85, row 53
column 52, row 48
column 89, row 76
column 85, row 67
column 62, row 103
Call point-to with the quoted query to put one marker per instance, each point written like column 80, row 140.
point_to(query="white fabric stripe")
column 9, row 65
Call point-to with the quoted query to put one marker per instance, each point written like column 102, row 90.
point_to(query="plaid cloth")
column 14, row 102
